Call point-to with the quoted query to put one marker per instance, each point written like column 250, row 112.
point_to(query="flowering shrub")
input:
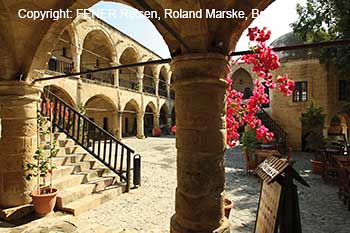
column 263, row 60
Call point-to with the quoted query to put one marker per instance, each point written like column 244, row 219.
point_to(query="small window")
column 300, row 92
column 344, row 90
column 97, row 63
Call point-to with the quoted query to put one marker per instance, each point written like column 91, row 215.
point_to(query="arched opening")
column 162, row 87
column 243, row 82
column 62, row 94
column 148, row 81
column 149, row 118
column 339, row 125
column 128, row 76
column 101, row 110
column 61, row 56
column 163, row 119
column 97, row 54
column 129, row 127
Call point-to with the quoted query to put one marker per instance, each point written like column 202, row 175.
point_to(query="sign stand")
column 278, row 209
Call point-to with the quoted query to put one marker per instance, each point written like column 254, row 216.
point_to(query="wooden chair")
column 330, row 170
column 250, row 165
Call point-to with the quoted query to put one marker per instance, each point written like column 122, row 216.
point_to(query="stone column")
column 201, row 142
column 18, row 143
column 76, row 56
column 156, row 83
column 120, row 125
column 140, row 81
column 156, row 120
column 115, row 74
column 140, row 125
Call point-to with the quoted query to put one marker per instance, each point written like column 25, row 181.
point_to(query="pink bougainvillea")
column 240, row 112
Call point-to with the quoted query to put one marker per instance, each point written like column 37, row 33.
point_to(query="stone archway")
column 97, row 53
column 150, row 119
column 63, row 94
column 129, row 121
column 101, row 110
column 61, row 56
column 128, row 77
column 162, row 86
column 148, row 80
column 242, row 81
column 164, row 119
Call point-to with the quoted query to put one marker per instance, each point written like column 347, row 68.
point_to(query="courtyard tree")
column 322, row 20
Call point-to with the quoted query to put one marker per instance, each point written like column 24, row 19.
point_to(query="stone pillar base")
column 176, row 228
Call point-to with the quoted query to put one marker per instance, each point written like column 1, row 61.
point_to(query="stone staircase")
column 83, row 182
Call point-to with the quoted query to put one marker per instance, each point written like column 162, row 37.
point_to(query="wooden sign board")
column 270, row 196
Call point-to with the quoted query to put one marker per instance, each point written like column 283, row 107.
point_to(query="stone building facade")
column 125, row 102
column 315, row 82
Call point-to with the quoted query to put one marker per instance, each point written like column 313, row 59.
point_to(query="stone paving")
column 149, row 208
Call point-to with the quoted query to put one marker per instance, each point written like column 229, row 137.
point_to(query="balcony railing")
column 162, row 92
column 60, row 66
column 149, row 89
column 99, row 77
column 128, row 84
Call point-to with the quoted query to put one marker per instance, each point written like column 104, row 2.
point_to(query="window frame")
column 298, row 93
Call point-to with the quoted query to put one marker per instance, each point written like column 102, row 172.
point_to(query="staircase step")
column 102, row 183
column 68, row 182
column 68, row 159
column 59, row 136
column 72, row 194
column 92, row 174
column 62, row 171
column 93, row 200
column 66, row 142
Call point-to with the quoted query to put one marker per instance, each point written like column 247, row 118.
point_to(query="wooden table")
column 262, row 154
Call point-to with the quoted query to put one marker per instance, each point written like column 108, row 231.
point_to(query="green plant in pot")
column 312, row 123
column 43, row 196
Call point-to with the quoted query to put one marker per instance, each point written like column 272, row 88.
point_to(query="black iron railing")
column 60, row 66
column 128, row 84
column 162, row 92
column 94, row 139
column 280, row 134
column 99, row 77
column 149, row 89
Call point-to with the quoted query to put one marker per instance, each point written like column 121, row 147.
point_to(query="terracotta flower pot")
column 227, row 207
column 317, row 167
column 45, row 201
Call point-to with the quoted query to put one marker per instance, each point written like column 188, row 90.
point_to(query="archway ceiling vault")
column 29, row 41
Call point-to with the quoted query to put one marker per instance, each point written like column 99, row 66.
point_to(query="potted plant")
column 43, row 196
column 250, row 142
column 312, row 123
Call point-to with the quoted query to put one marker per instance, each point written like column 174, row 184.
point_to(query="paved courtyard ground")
column 149, row 208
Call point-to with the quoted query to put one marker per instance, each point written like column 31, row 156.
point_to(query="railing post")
column 128, row 165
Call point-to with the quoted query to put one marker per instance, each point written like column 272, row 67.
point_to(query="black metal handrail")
column 274, row 127
column 94, row 139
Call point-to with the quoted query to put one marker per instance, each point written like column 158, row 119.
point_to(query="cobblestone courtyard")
column 149, row 208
